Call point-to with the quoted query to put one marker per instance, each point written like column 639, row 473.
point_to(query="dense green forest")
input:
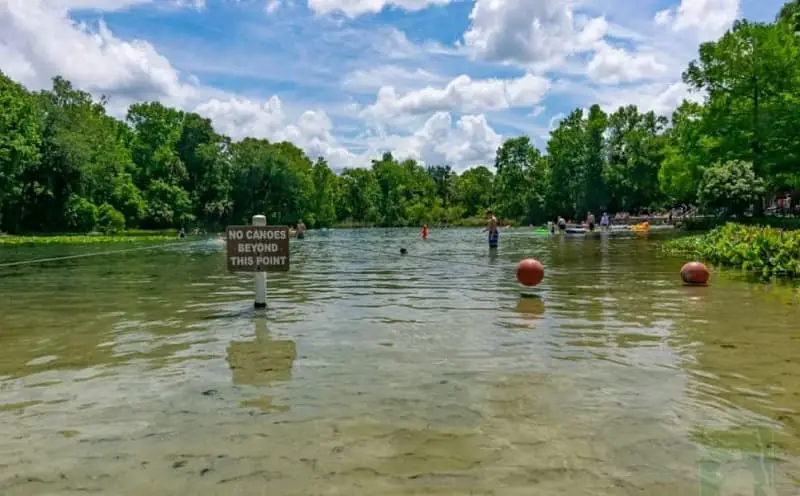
column 66, row 165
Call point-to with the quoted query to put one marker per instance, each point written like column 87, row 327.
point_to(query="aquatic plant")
column 86, row 239
column 765, row 251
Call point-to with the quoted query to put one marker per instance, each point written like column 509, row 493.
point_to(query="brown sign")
column 258, row 248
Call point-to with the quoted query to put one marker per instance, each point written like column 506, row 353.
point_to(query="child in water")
column 424, row 231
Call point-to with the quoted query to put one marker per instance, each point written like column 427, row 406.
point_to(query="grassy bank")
column 765, row 251
column 91, row 238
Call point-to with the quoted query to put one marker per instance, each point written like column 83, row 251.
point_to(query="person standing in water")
column 561, row 223
column 491, row 227
column 424, row 231
column 301, row 229
column 590, row 221
column 605, row 222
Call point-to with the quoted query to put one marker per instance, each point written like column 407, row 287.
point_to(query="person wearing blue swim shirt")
column 494, row 233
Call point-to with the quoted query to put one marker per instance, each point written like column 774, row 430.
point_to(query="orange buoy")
column 695, row 273
column 530, row 272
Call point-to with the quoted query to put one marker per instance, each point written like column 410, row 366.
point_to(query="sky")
column 439, row 81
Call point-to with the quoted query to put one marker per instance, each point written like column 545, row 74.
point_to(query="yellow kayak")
column 644, row 226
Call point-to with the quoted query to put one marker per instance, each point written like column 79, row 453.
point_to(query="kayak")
column 641, row 227
column 541, row 232
column 575, row 230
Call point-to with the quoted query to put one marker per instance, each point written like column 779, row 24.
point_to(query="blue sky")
column 442, row 81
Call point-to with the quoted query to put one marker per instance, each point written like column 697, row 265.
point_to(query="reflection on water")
column 261, row 362
column 375, row 373
column 530, row 306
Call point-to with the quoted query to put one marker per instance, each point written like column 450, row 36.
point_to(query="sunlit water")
column 379, row 374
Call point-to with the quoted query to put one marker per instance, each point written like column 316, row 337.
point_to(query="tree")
column 687, row 151
column 751, row 78
column 473, row 190
column 444, row 177
column 324, row 199
column 359, row 197
column 731, row 187
column 635, row 153
column 19, row 142
column 790, row 15
column 567, row 162
column 594, row 190
column 520, row 185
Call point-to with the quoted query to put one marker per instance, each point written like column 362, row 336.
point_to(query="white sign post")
column 261, row 277
column 258, row 248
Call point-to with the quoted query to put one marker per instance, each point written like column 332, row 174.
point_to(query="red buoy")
column 695, row 273
column 530, row 272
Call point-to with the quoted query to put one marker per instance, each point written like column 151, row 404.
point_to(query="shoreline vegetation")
column 133, row 236
column 690, row 224
column 762, row 251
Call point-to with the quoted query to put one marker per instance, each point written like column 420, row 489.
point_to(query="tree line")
column 66, row 165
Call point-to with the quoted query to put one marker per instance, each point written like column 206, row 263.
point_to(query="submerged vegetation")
column 82, row 239
column 67, row 165
column 766, row 251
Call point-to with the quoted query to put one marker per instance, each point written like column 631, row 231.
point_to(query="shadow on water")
column 375, row 373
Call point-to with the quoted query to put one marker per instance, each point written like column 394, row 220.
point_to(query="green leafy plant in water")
column 764, row 251
column 86, row 239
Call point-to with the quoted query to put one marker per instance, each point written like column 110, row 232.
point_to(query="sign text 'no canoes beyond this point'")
column 258, row 248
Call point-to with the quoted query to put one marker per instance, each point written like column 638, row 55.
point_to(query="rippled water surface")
column 376, row 374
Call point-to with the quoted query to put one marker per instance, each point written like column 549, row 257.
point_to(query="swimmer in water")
column 424, row 231
column 301, row 229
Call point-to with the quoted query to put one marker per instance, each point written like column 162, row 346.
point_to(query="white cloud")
column 355, row 8
column 610, row 65
column 472, row 141
column 117, row 5
column 39, row 41
column 705, row 19
column 373, row 79
column 462, row 94
column 552, row 36
column 661, row 98
column 537, row 34
column 104, row 5
column 392, row 43
column 311, row 131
